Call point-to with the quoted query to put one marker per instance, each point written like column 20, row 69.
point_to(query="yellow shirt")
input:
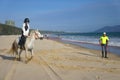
column 104, row 39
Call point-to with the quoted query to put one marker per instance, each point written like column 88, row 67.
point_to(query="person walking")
column 104, row 44
column 25, row 33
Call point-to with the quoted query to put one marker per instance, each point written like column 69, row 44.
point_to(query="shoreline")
column 111, row 49
column 111, row 56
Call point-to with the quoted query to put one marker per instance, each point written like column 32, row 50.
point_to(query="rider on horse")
column 25, row 33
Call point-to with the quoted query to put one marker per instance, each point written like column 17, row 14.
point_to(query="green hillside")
column 9, row 30
column 13, row 30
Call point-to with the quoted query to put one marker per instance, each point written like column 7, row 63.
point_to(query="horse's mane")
column 31, row 32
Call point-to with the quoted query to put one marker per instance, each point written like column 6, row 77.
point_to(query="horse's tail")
column 12, row 49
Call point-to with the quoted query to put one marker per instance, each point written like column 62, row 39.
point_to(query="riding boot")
column 20, row 46
column 21, row 42
column 23, row 47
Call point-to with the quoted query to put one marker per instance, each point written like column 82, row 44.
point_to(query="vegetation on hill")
column 9, row 30
column 13, row 30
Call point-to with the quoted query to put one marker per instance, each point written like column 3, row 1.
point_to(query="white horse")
column 29, row 45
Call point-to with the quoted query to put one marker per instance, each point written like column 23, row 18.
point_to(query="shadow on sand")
column 7, row 57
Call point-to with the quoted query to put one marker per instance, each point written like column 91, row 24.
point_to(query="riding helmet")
column 26, row 20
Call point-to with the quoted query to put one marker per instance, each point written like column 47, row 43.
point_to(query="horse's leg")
column 26, row 55
column 16, row 53
column 32, row 54
column 19, row 54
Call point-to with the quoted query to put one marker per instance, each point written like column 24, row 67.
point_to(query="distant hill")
column 109, row 29
column 13, row 30
column 9, row 30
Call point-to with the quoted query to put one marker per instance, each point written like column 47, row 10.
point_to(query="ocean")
column 91, row 40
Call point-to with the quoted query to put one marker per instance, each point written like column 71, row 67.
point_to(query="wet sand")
column 57, row 61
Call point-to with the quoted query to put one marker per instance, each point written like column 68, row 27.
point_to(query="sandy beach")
column 57, row 61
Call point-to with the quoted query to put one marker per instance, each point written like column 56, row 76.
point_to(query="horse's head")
column 37, row 34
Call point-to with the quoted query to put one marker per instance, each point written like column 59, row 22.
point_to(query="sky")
column 62, row 15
